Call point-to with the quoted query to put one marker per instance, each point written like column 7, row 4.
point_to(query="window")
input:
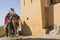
column 31, row 1
column 24, row 2
column 52, row 1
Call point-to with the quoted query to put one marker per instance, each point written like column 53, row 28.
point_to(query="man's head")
column 12, row 9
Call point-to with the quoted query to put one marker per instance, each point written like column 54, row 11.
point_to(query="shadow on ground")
column 26, row 31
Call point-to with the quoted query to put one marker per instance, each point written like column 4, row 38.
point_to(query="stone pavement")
column 46, row 37
column 10, row 38
column 55, row 37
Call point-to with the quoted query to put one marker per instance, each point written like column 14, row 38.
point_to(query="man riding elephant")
column 11, row 19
